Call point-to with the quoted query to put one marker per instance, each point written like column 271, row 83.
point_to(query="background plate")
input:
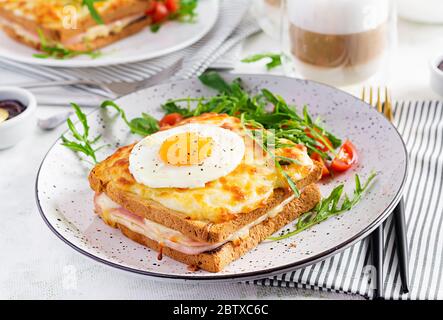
column 65, row 199
column 144, row 45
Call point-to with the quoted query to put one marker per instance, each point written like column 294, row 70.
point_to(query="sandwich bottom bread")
column 208, row 211
column 215, row 260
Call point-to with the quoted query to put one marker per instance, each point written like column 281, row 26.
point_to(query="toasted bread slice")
column 217, row 259
column 112, row 177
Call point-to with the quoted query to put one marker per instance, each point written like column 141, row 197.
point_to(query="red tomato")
column 318, row 158
column 161, row 13
column 151, row 8
column 323, row 147
column 170, row 119
column 346, row 157
column 172, row 5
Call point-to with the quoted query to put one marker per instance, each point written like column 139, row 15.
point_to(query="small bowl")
column 15, row 129
column 436, row 74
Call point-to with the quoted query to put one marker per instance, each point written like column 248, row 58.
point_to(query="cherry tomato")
column 322, row 147
column 346, row 157
column 161, row 13
column 170, row 119
column 151, row 8
column 318, row 158
column 172, row 5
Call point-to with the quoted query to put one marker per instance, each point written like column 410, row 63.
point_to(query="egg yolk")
column 185, row 149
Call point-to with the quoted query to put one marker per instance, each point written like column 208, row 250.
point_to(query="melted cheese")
column 248, row 187
column 50, row 13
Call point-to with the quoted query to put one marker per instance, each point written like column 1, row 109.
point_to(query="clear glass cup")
column 339, row 42
column 269, row 16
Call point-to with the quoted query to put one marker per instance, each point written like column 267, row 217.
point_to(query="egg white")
column 148, row 168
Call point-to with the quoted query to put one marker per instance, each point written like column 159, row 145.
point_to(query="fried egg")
column 224, row 189
column 187, row 156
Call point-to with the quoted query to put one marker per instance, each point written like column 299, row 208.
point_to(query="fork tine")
column 388, row 105
column 378, row 104
column 363, row 94
column 370, row 95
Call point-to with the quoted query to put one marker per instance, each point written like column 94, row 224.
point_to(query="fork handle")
column 377, row 259
column 30, row 85
column 402, row 244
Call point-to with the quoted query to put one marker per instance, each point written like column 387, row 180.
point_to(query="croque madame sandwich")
column 203, row 192
column 70, row 22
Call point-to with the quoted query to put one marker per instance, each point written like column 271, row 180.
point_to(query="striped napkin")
column 421, row 126
column 218, row 49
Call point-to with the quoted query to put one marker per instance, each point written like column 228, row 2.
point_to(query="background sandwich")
column 74, row 24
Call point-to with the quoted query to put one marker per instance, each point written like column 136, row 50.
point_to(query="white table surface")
column 35, row 264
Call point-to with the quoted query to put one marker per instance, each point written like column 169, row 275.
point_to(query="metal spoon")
column 54, row 121
column 4, row 115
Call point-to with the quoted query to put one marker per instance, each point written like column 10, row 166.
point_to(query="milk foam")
column 338, row 16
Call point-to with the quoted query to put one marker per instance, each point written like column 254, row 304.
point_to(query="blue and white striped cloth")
column 421, row 125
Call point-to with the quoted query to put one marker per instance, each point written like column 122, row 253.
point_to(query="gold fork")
column 384, row 106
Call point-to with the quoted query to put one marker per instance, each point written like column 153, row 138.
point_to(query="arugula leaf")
column 155, row 27
column 92, row 11
column 289, row 180
column 186, row 11
column 275, row 59
column 336, row 142
column 270, row 97
column 269, row 119
column 306, row 116
column 213, row 80
column 173, row 107
column 329, row 207
column 265, row 147
column 83, row 144
column 58, row 51
column 143, row 126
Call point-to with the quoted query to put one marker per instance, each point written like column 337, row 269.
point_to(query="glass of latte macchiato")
column 269, row 16
column 340, row 42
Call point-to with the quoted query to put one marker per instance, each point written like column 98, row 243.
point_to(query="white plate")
column 172, row 36
column 65, row 199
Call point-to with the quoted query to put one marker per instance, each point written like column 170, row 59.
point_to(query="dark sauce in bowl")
column 13, row 107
